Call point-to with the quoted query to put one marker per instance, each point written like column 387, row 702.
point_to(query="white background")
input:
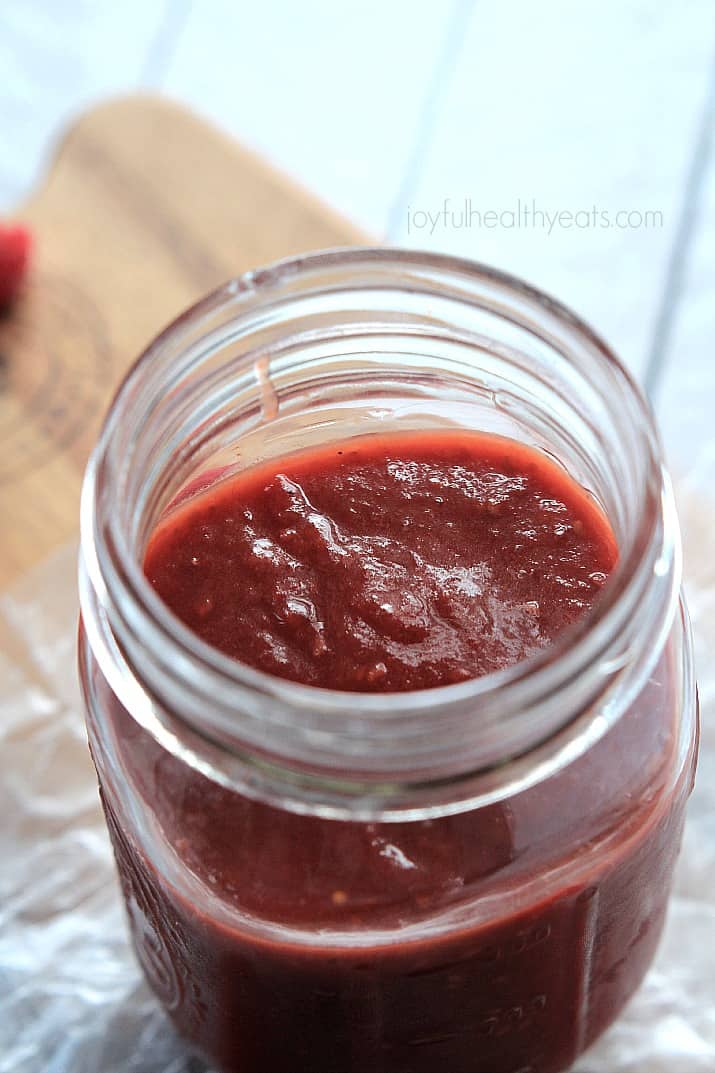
column 386, row 108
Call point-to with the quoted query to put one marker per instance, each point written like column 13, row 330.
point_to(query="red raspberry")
column 15, row 244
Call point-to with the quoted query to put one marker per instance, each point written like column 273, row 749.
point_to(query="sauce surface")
column 386, row 563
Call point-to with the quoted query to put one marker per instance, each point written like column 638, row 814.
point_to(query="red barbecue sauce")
column 388, row 562
column 498, row 940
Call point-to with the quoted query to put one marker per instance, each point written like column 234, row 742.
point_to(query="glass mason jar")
column 470, row 878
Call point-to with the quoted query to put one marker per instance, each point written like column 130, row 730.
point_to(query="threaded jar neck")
column 351, row 342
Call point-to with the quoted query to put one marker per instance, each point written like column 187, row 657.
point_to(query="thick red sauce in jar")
column 386, row 563
column 500, row 940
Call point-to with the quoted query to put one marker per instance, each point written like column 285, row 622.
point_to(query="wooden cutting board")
column 145, row 208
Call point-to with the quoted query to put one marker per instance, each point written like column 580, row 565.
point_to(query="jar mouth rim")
column 574, row 648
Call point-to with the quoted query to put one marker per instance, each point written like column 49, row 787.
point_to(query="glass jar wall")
column 471, row 877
